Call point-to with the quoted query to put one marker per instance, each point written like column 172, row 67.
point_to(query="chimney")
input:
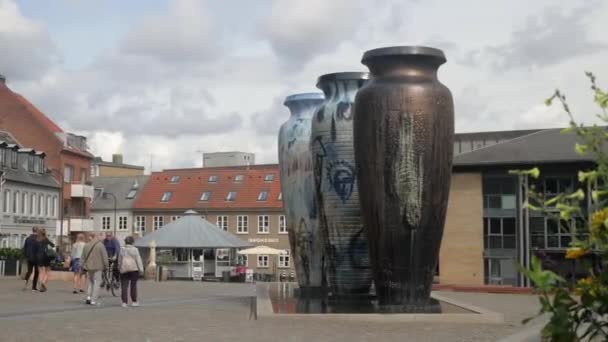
column 117, row 158
column 2, row 79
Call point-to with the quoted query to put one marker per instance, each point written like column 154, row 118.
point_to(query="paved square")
column 194, row 311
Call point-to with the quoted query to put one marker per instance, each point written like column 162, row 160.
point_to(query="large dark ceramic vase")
column 348, row 270
column 297, row 186
column 403, row 133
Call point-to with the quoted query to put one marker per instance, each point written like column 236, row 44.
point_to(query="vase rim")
column 343, row 76
column 304, row 97
column 413, row 50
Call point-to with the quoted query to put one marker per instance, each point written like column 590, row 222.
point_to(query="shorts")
column 75, row 265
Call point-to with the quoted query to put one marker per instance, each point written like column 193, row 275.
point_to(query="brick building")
column 67, row 158
column 245, row 201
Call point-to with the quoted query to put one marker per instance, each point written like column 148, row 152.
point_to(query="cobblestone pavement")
column 192, row 311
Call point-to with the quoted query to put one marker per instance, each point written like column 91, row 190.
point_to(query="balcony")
column 79, row 224
column 82, row 190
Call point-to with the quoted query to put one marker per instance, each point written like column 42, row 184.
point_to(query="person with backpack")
column 131, row 267
column 95, row 261
column 29, row 252
column 45, row 254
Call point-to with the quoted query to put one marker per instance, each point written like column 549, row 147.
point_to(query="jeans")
column 32, row 266
column 94, row 283
column 125, row 280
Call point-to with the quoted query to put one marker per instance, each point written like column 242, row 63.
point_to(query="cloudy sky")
column 169, row 77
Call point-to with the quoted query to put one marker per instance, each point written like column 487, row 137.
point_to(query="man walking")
column 29, row 251
column 95, row 261
column 112, row 248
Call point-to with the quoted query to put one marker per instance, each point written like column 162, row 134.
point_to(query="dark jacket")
column 41, row 248
column 112, row 247
column 29, row 248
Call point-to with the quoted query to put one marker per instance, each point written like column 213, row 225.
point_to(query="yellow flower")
column 598, row 218
column 575, row 253
column 585, row 281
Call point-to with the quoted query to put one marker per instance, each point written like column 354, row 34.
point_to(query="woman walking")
column 131, row 267
column 79, row 280
column 45, row 253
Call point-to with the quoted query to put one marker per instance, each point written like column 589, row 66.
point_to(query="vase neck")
column 341, row 89
column 409, row 66
column 303, row 108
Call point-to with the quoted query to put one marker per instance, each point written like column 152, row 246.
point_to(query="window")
column 105, row 223
column 7, row 201
column 24, row 201
column 284, row 259
column 166, row 196
column 212, row 179
column 67, row 174
column 550, row 232
column 174, row 179
column 231, row 196
column 499, row 192
column 122, row 223
column 32, row 204
column 269, row 177
column 31, row 163
column 83, row 175
column 499, row 233
column 222, row 222
column 140, row 223
column 282, row 225
column 263, row 224
column 280, row 198
column 239, row 178
column 158, row 222
column 13, row 159
column 40, row 204
column 205, row 196
column 242, row 224
column 3, row 156
column 242, row 260
column 48, row 211
column 263, row 261
column 263, row 195
column 173, row 218
column 42, row 165
column 15, row 202
column 54, row 206
column 131, row 194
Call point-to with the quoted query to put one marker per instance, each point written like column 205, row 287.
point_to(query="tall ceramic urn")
column 403, row 135
column 348, row 270
column 297, row 186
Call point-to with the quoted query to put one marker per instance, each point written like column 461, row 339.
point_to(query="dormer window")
column 280, row 198
column 174, row 179
column 263, row 196
column 3, row 156
column 239, row 178
column 166, row 196
column 269, row 177
column 13, row 159
column 31, row 163
column 205, row 196
column 231, row 196
column 131, row 194
column 212, row 179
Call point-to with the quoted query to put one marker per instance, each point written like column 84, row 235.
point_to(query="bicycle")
column 110, row 278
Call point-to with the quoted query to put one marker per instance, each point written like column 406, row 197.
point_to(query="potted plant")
column 11, row 258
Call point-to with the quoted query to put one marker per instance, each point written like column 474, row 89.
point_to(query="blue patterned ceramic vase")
column 297, row 186
column 348, row 265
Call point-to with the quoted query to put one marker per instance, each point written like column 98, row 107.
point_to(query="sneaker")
column 94, row 303
column 135, row 304
column 88, row 301
column 81, row 291
column 124, row 305
column 75, row 292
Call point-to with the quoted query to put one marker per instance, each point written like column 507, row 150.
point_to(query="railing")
column 81, row 190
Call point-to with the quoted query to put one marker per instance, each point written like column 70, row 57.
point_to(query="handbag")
column 50, row 253
column 128, row 263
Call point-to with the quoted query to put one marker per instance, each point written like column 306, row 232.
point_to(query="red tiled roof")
column 186, row 193
column 48, row 123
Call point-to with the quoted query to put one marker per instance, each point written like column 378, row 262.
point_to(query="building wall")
column 16, row 226
column 461, row 255
column 228, row 159
column 117, row 171
column 98, row 216
column 272, row 239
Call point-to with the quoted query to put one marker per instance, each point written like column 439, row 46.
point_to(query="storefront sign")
column 197, row 273
column 27, row 220
column 263, row 240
